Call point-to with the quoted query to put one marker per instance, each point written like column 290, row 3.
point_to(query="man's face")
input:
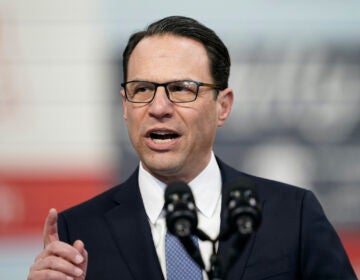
column 174, row 140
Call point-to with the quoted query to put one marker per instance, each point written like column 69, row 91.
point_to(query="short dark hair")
column 187, row 27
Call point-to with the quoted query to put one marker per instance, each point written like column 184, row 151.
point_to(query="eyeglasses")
column 177, row 91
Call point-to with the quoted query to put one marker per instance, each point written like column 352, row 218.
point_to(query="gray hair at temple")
column 187, row 27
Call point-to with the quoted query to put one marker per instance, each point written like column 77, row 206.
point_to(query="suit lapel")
column 237, row 270
column 131, row 231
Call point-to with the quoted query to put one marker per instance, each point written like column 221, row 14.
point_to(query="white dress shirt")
column 206, row 188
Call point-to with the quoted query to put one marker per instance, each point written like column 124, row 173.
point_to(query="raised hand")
column 58, row 260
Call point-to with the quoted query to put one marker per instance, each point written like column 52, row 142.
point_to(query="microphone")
column 244, row 212
column 181, row 217
column 243, row 218
column 243, row 209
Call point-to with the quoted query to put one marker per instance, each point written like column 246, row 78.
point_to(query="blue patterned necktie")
column 179, row 265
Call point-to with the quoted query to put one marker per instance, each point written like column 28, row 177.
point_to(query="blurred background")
column 295, row 73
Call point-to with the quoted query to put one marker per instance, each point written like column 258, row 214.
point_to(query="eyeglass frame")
column 198, row 85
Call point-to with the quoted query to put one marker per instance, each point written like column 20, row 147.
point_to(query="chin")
column 162, row 166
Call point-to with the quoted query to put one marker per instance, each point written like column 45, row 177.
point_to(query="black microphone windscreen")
column 180, row 208
column 178, row 187
column 243, row 208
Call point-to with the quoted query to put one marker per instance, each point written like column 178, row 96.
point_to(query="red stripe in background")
column 26, row 200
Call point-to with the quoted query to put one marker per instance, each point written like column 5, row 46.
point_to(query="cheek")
column 130, row 114
column 125, row 113
column 206, row 124
column 130, row 122
column 134, row 118
column 133, row 132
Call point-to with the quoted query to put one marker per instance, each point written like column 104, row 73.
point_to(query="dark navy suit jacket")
column 295, row 239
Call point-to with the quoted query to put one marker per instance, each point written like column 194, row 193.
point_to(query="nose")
column 161, row 106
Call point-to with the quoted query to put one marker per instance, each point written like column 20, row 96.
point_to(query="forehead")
column 167, row 57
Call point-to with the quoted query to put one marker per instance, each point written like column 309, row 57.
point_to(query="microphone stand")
column 216, row 271
column 216, row 265
column 219, row 266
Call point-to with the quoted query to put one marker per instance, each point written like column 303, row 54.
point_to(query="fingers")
column 47, row 275
column 50, row 233
column 57, row 267
column 79, row 245
column 60, row 260
column 62, row 250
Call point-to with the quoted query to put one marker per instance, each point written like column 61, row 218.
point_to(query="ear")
column 123, row 99
column 225, row 100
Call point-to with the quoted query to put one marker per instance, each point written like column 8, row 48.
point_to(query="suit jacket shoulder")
column 295, row 239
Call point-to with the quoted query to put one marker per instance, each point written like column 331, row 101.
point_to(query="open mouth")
column 163, row 136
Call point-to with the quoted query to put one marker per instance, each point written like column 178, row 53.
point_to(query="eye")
column 142, row 87
column 182, row 86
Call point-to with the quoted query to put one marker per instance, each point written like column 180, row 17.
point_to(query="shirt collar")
column 152, row 192
column 206, row 188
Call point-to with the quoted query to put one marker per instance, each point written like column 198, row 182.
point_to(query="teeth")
column 162, row 140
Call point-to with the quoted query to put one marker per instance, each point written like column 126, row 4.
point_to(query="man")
column 175, row 96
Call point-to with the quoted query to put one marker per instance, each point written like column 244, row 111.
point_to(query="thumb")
column 50, row 233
